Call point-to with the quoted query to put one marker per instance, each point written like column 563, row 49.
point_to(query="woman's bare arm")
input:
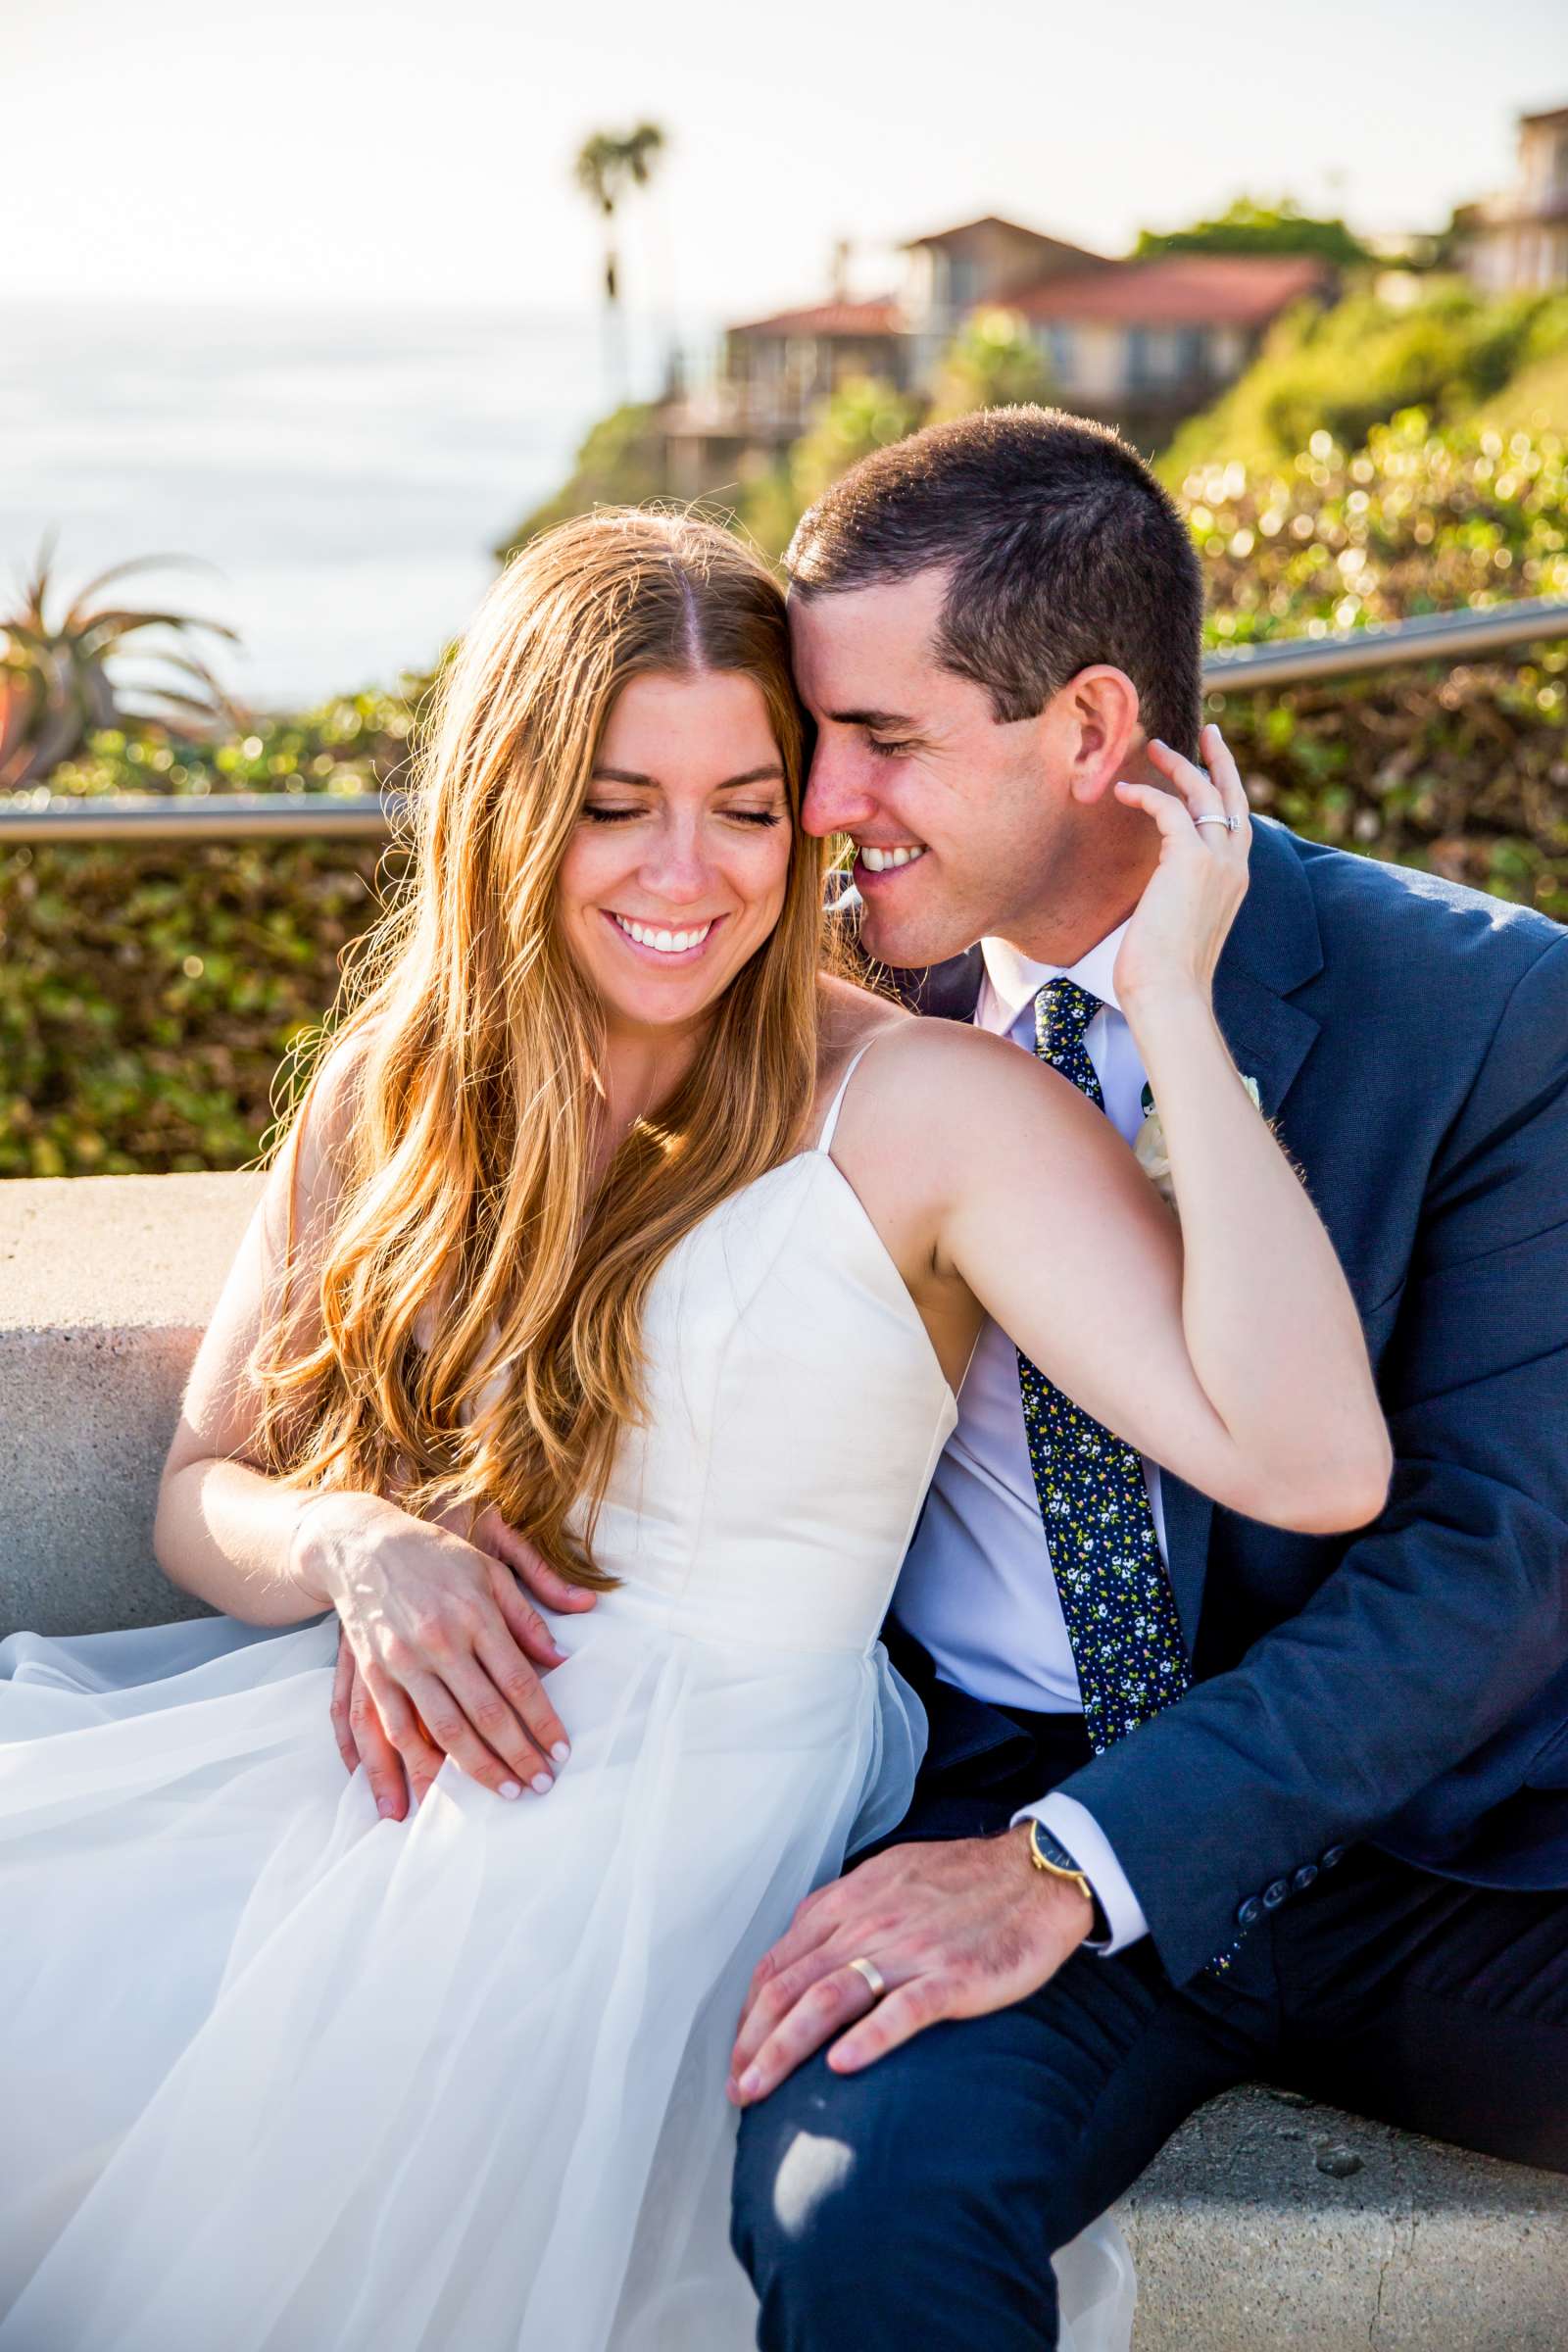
column 449, row 1647
column 1228, row 1348
column 225, row 1529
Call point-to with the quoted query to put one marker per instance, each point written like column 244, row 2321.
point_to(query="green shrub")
column 1445, row 349
column 1462, row 771
column 1248, row 227
column 356, row 743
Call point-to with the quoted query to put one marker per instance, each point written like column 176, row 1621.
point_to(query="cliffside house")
column 1517, row 242
column 1137, row 343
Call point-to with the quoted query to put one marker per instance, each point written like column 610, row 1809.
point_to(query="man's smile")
column 875, row 857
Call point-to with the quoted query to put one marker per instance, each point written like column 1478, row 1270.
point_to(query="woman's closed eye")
column 601, row 813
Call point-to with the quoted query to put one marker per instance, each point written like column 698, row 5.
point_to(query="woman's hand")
column 1174, row 939
column 448, row 1650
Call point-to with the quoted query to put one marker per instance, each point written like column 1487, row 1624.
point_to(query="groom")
column 1338, row 1858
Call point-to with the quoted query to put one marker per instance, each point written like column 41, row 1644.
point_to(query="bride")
column 567, row 1235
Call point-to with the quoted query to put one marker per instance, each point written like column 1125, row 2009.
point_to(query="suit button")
column 1251, row 1910
column 1274, row 1895
column 1305, row 1877
column 1336, row 1853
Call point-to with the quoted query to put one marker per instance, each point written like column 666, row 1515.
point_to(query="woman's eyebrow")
column 773, row 774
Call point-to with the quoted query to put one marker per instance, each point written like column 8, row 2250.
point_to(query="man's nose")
column 837, row 799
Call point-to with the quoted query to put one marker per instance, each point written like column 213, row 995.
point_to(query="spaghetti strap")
column 837, row 1103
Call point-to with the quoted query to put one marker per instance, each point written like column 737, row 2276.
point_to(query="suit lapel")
column 1275, row 945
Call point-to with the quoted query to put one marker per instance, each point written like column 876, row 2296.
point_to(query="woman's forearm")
column 1270, row 1325
column 236, row 1536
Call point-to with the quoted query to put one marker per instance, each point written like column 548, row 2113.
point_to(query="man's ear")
column 1100, row 735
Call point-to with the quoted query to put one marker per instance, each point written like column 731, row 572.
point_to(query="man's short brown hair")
column 1064, row 551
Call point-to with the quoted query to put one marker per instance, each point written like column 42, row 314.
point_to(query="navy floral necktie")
column 1094, row 1503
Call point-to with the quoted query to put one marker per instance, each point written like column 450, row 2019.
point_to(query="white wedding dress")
column 280, row 2075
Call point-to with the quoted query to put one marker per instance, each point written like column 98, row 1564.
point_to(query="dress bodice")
column 796, row 1409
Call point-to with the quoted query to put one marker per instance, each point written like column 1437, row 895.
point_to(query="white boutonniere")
column 1148, row 1143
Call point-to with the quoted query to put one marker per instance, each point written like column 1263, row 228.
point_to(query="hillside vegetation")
column 1436, row 345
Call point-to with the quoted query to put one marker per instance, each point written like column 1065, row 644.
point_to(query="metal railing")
column 368, row 816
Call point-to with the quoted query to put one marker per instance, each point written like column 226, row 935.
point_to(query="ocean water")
column 347, row 473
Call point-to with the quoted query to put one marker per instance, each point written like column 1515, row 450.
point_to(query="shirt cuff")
column 1081, row 1834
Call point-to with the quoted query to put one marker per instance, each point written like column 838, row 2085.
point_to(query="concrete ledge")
column 1241, row 2240
column 107, row 1284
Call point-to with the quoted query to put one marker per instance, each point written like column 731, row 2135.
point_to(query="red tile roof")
column 878, row 318
column 1013, row 229
column 1178, row 290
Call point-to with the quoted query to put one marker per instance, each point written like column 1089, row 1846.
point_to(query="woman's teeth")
column 664, row 943
column 878, row 861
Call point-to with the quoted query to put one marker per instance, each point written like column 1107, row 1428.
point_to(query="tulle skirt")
column 285, row 2077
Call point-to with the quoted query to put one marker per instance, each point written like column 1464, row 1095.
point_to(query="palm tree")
column 609, row 165
column 55, row 686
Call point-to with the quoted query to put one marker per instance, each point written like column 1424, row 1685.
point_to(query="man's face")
column 958, row 822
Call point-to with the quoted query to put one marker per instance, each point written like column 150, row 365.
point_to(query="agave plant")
column 56, row 688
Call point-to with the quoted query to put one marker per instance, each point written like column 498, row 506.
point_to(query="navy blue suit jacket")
column 1406, row 1684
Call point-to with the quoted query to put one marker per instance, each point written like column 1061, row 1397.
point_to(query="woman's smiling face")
column 677, row 870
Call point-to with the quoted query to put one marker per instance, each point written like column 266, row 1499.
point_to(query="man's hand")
column 954, row 1928
column 397, row 1772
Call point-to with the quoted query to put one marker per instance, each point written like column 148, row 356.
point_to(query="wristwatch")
column 1048, row 1853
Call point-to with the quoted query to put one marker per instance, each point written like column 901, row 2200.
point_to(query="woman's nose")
column 677, row 867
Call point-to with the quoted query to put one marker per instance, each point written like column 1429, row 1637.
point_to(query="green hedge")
column 148, row 994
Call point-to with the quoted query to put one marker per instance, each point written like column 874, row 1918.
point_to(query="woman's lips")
column 657, row 943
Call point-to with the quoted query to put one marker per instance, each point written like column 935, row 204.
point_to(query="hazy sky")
column 420, row 149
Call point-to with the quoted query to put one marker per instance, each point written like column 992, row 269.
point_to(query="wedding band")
column 1230, row 823
column 869, row 1970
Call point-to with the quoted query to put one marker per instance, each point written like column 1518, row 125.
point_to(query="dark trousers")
column 918, row 2203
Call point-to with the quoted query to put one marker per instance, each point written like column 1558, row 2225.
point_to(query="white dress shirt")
column 977, row 1588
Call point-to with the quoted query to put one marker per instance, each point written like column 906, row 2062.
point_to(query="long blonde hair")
column 467, row 1198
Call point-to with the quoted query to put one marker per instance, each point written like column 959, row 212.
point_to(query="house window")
column 1061, row 352
column 1139, row 358
column 1158, row 357
column 1191, row 353
column 963, row 281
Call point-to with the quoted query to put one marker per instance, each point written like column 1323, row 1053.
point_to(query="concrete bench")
column 1266, row 2221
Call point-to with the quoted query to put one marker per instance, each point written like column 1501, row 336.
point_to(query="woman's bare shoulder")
column 851, row 1016
column 951, row 1079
